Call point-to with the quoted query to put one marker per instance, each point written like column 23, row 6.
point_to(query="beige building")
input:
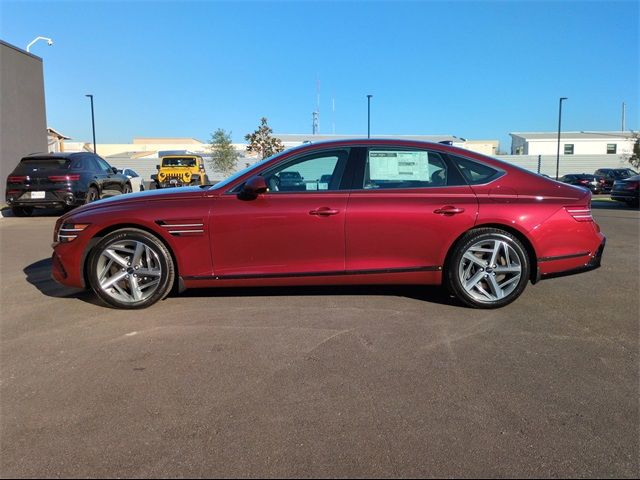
column 23, row 125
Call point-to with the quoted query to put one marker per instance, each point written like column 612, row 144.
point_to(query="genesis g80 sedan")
column 360, row 212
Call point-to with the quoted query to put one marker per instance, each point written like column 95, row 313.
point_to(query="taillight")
column 64, row 178
column 631, row 185
column 69, row 231
column 17, row 178
column 580, row 213
column 584, row 182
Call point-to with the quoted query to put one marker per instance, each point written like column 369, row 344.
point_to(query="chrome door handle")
column 324, row 212
column 448, row 210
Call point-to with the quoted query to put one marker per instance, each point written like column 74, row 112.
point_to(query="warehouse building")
column 572, row 143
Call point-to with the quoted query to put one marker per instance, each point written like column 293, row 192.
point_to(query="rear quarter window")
column 473, row 172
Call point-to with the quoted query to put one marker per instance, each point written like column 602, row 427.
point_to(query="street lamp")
column 369, row 116
column 93, row 123
column 49, row 42
column 559, row 125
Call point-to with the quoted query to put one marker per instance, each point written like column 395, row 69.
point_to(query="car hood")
column 146, row 196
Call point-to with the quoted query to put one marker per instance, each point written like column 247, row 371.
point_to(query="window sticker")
column 401, row 165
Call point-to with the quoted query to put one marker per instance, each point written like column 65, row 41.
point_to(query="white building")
column 572, row 143
column 485, row 147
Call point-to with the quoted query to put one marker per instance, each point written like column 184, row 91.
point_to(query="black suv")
column 61, row 180
column 612, row 174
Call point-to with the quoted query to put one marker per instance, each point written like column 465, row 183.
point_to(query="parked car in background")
column 587, row 180
column 136, row 180
column 62, row 180
column 612, row 174
column 627, row 190
column 367, row 212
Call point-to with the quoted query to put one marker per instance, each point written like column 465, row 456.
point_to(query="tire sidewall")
column 166, row 261
column 453, row 280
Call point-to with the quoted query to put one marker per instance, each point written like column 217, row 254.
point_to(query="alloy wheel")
column 490, row 270
column 129, row 271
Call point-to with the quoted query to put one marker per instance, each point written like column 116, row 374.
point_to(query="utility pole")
column 93, row 124
column 624, row 108
column 559, row 127
column 369, row 116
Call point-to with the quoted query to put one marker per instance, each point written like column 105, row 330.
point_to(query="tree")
column 634, row 159
column 224, row 156
column 262, row 142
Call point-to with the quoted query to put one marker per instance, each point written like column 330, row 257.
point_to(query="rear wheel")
column 489, row 268
column 130, row 269
column 92, row 195
column 22, row 211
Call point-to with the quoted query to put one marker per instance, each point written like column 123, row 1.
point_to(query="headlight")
column 69, row 232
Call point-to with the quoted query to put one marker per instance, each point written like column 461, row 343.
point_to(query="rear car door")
column 407, row 206
column 296, row 228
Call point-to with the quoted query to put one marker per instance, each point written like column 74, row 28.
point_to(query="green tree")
column 224, row 156
column 634, row 159
column 262, row 142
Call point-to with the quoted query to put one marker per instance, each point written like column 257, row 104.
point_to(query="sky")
column 477, row 70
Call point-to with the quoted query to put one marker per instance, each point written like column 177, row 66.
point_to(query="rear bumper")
column 52, row 199
column 593, row 261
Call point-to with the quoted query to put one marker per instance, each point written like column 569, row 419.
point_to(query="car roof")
column 55, row 155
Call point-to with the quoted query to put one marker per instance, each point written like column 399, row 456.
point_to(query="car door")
column 294, row 229
column 113, row 182
column 407, row 206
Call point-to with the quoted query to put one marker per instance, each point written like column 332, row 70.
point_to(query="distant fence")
column 145, row 166
column 568, row 163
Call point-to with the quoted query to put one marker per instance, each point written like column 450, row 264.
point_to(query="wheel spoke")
column 473, row 281
column 495, row 288
column 137, row 255
column 135, row 289
column 496, row 250
column 472, row 258
column 116, row 258
column 116, row 278
column 105, row 270
column 148, row 272
column 511, row 269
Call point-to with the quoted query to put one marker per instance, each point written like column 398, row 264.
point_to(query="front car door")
column 407, row 206
column 296, row 228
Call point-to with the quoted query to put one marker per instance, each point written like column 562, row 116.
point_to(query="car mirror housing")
column 254, row 186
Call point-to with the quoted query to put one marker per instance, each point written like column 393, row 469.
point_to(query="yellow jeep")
column 179, row 171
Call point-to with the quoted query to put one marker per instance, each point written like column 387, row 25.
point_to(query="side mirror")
column 114, row 169
column 254, row 187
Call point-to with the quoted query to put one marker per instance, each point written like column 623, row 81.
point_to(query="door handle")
column 324, row 212
column 448, row 210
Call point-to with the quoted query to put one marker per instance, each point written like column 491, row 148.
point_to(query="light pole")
column 369, row 116
column 93, row 123
column 559, row 127
column 49, row 42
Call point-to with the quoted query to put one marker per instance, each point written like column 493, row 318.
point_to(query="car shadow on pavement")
column 610, row 205
column 433, row 294
column 39, row 275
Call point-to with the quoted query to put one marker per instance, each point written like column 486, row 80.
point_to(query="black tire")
column 22, row 211
column 206, row 180
column 458, row 264
column 92, row 195
column 127, row 189
column 166, row 277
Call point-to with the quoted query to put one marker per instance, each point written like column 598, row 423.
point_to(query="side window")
column 78, row 163
column 317, row 172
column 475, row 173
column 104, row 166
column 404, row 168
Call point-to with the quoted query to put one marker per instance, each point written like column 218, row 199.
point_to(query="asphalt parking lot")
column 321, row 382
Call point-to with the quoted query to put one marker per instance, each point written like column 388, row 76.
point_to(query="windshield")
column 30, row 165
column 623, row 173
column 179, row 162
column 237, row 175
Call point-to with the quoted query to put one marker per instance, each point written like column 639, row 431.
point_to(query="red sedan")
column 337, row 213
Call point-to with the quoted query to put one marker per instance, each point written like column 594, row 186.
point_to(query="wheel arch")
column 120, row 226
column 531, row 252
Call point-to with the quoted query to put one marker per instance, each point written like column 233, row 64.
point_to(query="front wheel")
column 130, row 269
column 92, row 195
column 488, row 268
